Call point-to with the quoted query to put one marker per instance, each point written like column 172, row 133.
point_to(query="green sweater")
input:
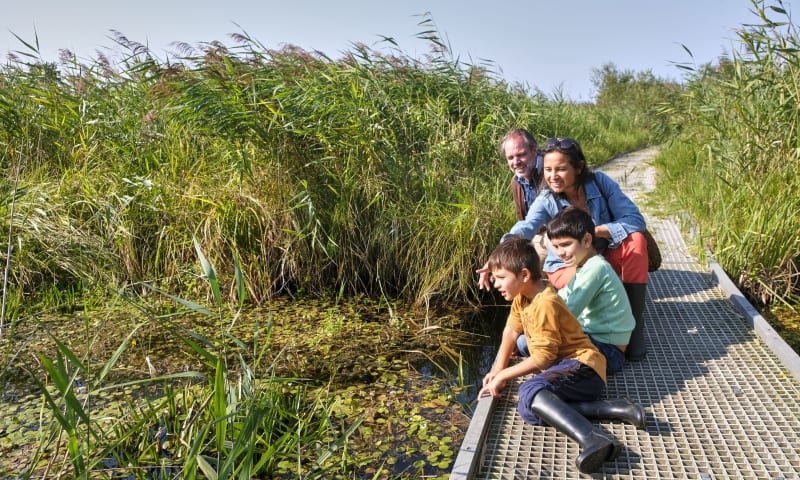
column 596, row 296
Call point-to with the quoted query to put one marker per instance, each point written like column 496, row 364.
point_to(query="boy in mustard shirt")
column 569, row 371
column 595, row 295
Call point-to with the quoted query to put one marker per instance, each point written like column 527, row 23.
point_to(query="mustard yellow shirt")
column 552, row 331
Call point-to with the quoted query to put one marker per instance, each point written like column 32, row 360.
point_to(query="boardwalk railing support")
column 471, row 451
column 778, row 345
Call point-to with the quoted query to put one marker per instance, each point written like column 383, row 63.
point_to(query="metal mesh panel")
column 719, row 403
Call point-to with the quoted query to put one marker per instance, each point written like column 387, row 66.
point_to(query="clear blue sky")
column 548, row 44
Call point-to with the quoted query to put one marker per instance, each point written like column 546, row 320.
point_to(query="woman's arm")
column 614, row 212
column 540, row 212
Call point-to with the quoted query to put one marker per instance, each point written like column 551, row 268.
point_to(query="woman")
column 568, row 181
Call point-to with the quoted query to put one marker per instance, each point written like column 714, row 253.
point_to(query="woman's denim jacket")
column 609, row 207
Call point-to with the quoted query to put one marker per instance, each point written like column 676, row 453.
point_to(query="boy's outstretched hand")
column 493, row 387
column 484, row 277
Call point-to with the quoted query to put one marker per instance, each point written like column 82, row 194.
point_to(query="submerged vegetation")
column 208, row 392
column 172, row 224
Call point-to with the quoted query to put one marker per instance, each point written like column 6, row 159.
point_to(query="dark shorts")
column 569, row 379
column 615, row 358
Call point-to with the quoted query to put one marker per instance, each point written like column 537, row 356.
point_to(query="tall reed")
column 736, row 160
column 375, row 172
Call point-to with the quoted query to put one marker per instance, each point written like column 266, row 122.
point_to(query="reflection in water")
column 488, row 323
column 486, row 327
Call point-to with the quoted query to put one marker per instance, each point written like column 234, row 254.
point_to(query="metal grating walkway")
column 720, row 402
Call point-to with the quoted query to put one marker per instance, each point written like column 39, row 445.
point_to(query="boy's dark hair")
column 515, row 254
column 571, row 222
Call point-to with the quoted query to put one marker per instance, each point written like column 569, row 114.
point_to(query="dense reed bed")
column 734, row 165
column 372, row 173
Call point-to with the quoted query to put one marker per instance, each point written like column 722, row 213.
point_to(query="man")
column 521, row 152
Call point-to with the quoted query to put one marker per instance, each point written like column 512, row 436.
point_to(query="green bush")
column 734, row 166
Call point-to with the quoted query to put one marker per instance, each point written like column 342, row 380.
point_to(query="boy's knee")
column 526, row 392
column 525, row 412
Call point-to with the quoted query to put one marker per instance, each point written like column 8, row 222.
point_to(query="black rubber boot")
column 615, row 409
column 597, row 446
column 637, row 346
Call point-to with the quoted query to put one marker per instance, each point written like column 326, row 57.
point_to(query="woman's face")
column 558, row 172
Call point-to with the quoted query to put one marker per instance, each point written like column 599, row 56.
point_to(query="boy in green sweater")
column 595, row 295
column 569, row 371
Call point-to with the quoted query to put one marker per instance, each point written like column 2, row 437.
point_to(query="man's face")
column 507, row 283
column 521, row 159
